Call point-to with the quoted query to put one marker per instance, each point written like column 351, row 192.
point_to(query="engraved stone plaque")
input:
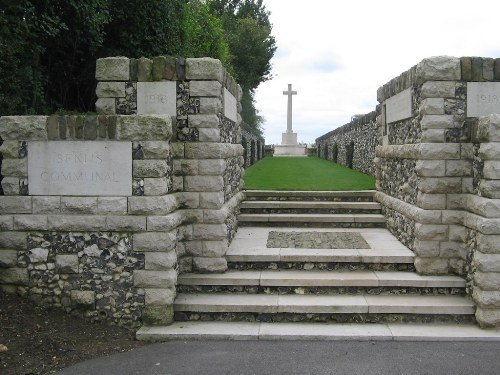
column 230, row 108
column 398, row 107
column 483, row 98
column 157, row 98
column 80, row 168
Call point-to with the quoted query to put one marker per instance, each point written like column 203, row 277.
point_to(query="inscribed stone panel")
column 230, row 107
column 398, row 107
column 157, row 98
column 80, row 168
column 483, row 98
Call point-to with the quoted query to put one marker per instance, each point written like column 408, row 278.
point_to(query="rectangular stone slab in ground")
column 317, row 240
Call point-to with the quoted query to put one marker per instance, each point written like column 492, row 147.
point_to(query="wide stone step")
column 307, row 207
column 320, row 282
column 335, row 196
column 322, row 278
column 323, row 304
column 314, row 220
column 315, row 331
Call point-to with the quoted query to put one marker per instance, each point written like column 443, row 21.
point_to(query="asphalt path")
column 299, row 357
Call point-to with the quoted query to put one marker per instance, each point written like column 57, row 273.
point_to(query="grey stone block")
column 155, row 149
column 105, row 106
column 487, row 262
column 204, row 121
column 144, row 127
column 203, row 183
column 14, row 240
column 6, row 222
column 77, row 222
column 155, row 241
column 159, row 297
column 112, row 69
column 430, row 168
column 17, row 128
column 156, row 186
column 15, row 276
column 209, row 135
column 160, row 205
column 488, row 318
column 155, row 279
column 10, row 185
column 10, row 149
column 15, row 205
column 488, row 244
column 431, row 266
column 209, row 265
column 110, row 90
column 488, row 129
column 46, row 205
column 440, row 185
column 67, row 263
column 30, row 222
column 159, row 261
column 144, row 69
column 209, row 105
column 204, row 68
column 486, row 298
column 209, row 231
column 150, row 168
column 165, row 222
column 15, row 167
column 213, row 200
column 460, row 168
column 8, row 258
column 79, row 205
column 431, row 232
column 212, row 89
column 126, row 223
column 112, row 205
column 438, row 68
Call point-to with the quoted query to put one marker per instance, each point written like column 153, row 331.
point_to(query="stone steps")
column 326, row 308
column 309, row 207
column 193, row 330
column 320, row 282
column 314, row 220
column 334, row 196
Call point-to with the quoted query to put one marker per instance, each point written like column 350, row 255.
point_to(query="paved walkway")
column 299, row 357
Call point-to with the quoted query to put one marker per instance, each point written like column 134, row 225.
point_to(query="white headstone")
column 80, row 168
column 398, row 107
column 483, row 98
column 230, row 106
column 157, row 98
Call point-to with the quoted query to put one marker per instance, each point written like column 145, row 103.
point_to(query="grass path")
column 304, row 173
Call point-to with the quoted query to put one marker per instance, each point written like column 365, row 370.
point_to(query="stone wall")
column 435, row 149
column 116, row 257
column 352, row 145
column 253, row 145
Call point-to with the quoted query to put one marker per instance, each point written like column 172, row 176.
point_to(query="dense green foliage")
column 48, row 48
column 252, row 46
column 304, row 173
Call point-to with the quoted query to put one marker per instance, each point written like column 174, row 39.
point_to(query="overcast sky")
column 337, row 53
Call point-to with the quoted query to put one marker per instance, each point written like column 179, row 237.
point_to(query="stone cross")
column 289, row 108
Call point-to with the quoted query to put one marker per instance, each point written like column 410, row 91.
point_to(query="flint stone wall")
column 358, row 138
column 117, row 258
column 253, row 145
column 431, row 180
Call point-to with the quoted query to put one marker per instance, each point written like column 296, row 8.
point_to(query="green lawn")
column 304, row 173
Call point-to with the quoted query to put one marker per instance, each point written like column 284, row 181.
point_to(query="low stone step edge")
column 315, row 331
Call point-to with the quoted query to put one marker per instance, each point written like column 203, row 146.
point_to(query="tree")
column 251, row 45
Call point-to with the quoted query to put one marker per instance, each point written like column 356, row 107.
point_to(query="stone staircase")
column 315, row 292
column 344, row 209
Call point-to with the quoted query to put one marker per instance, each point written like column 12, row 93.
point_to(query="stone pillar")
column 483, row 222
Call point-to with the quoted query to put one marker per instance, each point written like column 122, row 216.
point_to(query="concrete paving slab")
column 253, row 255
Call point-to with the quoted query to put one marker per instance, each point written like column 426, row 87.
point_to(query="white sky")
column 337, row 53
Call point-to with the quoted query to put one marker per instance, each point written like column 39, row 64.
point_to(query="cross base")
column 289, row 139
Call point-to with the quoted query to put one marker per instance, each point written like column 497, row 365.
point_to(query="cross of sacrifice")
column 289, row 108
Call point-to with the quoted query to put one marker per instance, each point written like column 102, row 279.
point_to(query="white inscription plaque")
column 230, row 109
column 483, row 98
column 157, row 98
column 398, row 107
column 80, row 168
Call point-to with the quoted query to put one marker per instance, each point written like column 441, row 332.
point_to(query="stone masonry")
column 117, row 258
column 253, row 145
